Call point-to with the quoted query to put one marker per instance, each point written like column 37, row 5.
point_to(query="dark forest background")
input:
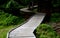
column 17, row 4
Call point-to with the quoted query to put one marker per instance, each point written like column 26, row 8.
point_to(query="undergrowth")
column 7, row 22
column 46, row 31
column 7, row 19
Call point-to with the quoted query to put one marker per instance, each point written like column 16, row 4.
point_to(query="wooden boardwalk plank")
column 27, row 29
column 26, row 9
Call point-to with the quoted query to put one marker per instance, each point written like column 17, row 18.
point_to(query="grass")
column 4, row 30
column 46, row 31
column 7, row 22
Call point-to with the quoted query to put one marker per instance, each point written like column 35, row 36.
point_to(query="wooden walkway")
column 26, row 30
column 26, row 9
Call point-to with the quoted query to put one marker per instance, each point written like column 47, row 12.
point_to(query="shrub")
column 45, row 31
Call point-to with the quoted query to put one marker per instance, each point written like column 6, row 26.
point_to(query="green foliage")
column 55, row 17
column 12, row 4
column 17, row 3
column 8, row 19
column 56, row 3
column 4, row 30
column 46, row 31
column 7, row 22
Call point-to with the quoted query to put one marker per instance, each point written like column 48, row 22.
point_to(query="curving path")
column 26, row 9
column 26, row 30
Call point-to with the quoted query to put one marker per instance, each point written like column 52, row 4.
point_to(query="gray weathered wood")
column 27, row 29
column 26, row 9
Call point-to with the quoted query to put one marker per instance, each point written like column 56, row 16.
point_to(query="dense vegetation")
column 7, row 22
column 46, row 31
column 10, row 17
column 55, row 17
column 18, row 3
